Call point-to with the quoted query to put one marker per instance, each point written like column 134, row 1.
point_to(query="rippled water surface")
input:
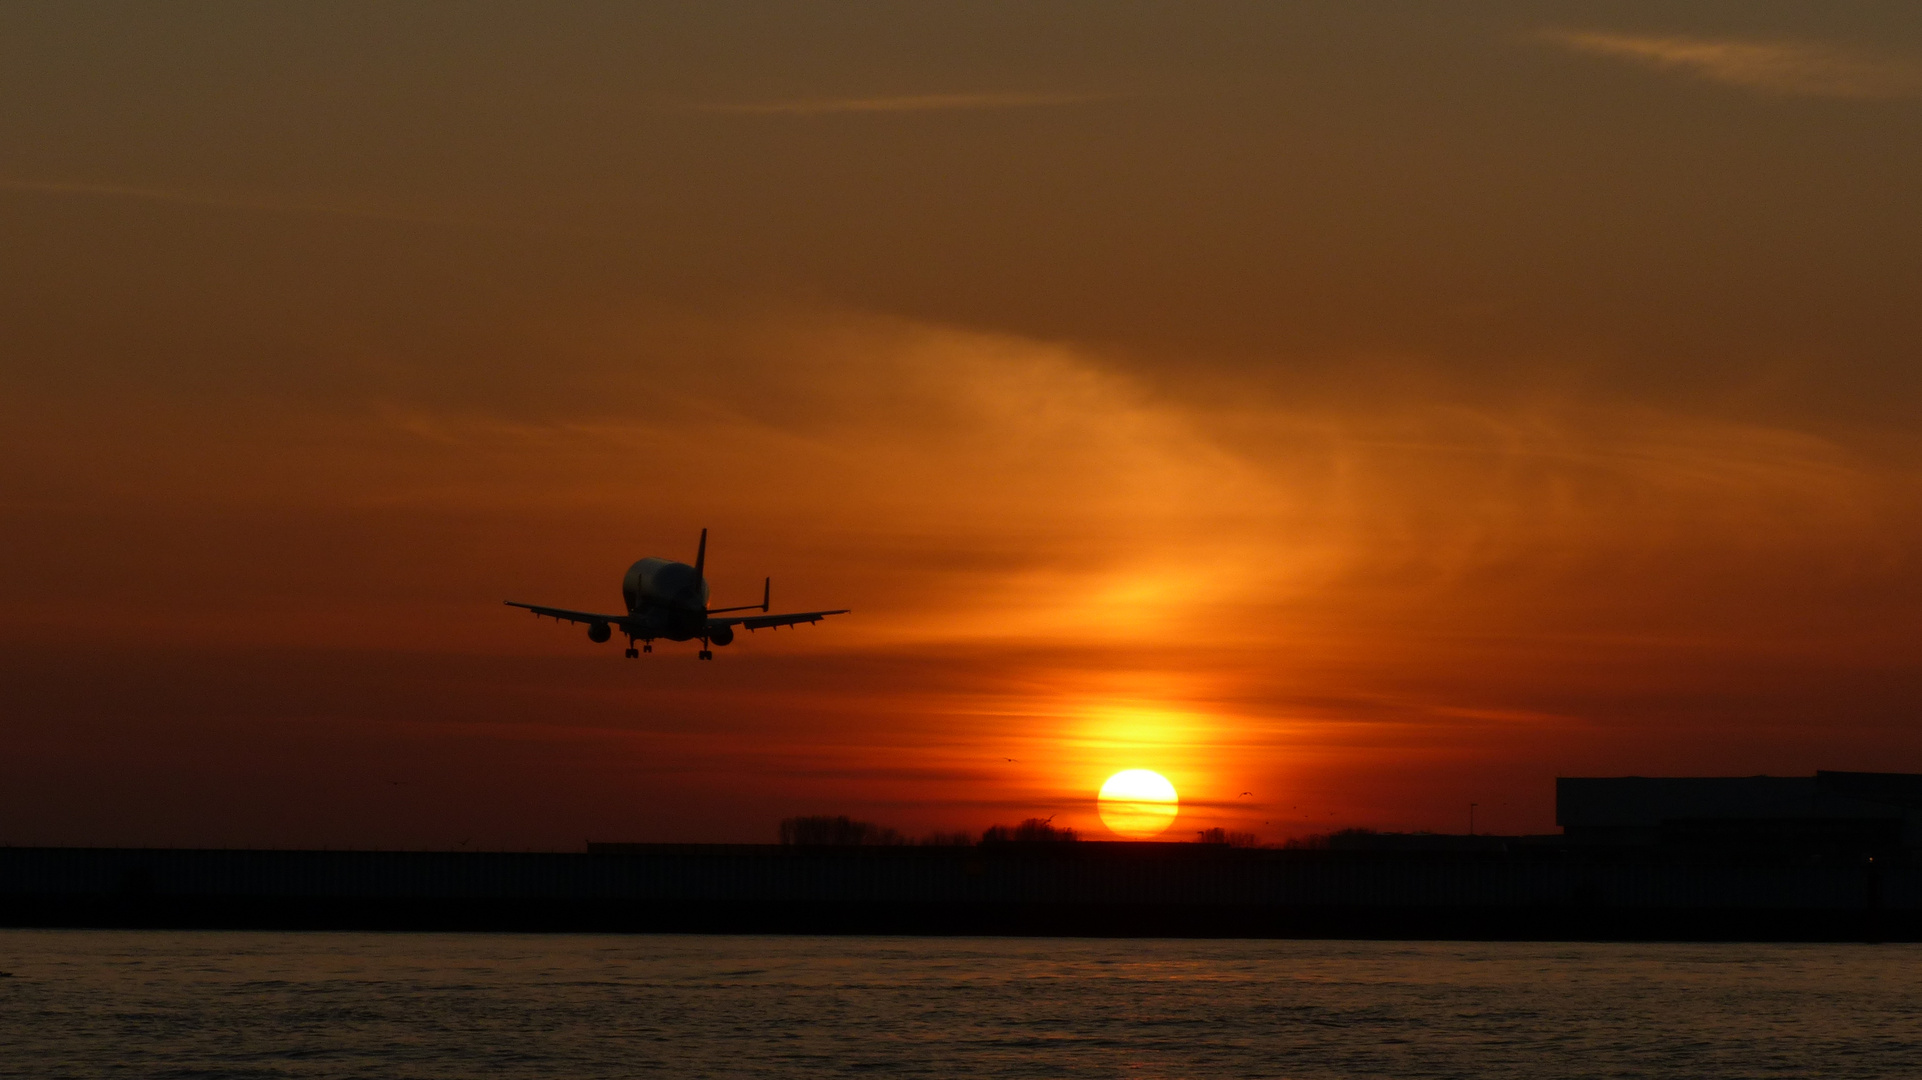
column 127, row 1003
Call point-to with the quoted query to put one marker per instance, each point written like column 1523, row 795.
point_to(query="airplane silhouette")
column 667, row 599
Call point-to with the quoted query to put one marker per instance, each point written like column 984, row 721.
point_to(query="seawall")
column 1084, row 888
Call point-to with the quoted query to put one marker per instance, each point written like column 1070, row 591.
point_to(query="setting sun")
column 1138, row 804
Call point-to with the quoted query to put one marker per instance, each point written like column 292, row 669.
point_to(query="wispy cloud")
column 259, row 203
column 1806, row 69
column 903, row 103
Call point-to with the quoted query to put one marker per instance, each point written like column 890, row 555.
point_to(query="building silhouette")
column 1841, row 813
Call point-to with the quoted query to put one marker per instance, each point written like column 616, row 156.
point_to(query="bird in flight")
column 667, row 599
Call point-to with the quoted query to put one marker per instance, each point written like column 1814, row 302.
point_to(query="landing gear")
column 707, row 654
column 649, row 647
column 632, row 652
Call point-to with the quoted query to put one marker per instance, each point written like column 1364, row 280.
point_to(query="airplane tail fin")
column 700, row 557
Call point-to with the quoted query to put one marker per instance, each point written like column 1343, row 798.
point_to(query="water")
column 163, row 1004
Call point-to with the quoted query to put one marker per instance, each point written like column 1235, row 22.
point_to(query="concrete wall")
column 1123, row 888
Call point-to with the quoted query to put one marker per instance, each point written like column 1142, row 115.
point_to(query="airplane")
column 667, row 599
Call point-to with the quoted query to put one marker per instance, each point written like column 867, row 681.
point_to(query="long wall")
column 1075, row 888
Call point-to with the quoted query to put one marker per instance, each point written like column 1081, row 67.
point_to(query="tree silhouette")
column 839, row 831
column 1030, row 831
column 1224, row 837
column 947, row 839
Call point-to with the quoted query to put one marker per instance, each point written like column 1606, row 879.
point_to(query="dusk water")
column 167, row 1004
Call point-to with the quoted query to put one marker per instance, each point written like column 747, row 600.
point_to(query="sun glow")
column 1138, row 804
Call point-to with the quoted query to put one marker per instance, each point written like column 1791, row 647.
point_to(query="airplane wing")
column 763, row 622
column 563, row 613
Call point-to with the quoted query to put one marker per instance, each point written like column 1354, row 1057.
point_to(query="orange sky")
column 1375, row 410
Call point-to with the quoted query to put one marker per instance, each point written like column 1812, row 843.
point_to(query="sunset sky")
column 1373, row 408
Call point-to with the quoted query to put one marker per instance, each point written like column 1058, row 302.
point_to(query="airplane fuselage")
column 665, row 599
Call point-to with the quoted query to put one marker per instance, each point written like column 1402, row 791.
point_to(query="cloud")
column 1803, row 69
column 270, row 204
column 1352, row 599
column 903, row 103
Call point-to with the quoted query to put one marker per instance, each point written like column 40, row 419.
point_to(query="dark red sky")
column 1374, row 409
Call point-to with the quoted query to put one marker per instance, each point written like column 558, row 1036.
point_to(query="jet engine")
column 599, row 631
column 721, row 635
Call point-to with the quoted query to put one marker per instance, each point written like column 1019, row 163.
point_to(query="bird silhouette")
column 1244, row 793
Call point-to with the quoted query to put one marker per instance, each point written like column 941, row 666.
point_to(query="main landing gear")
column 706, row 653
column 633, row 652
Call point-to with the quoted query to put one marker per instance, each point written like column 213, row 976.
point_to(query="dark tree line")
column 841, row 831
column 844, row 831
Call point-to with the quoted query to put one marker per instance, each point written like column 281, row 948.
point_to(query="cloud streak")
column 268, row 204
column 900, row 103
column 1793, row 68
